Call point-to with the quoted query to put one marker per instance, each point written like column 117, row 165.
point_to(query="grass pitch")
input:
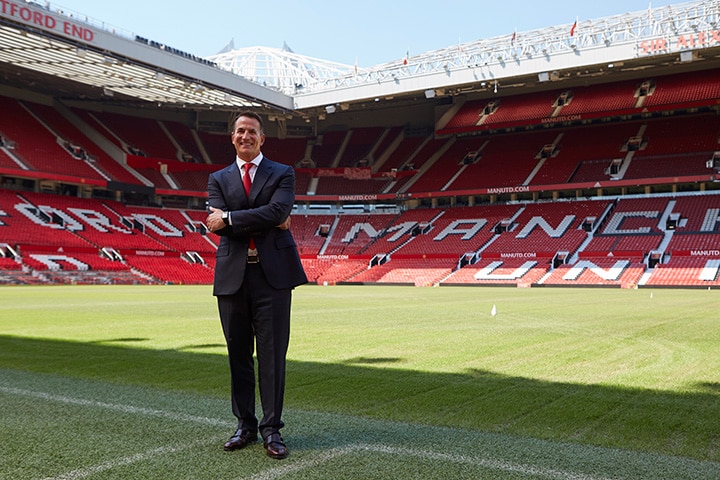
column 403, row 382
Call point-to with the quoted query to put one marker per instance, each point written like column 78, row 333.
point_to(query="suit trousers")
column 257, row 315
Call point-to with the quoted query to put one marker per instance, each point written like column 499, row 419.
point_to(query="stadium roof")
column 38, row 44
column 70, row 58
column 279, row 69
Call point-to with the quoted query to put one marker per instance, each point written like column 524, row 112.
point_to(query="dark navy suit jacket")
column 270, row 202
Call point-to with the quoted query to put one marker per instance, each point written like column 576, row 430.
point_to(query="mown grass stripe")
column 284, row 469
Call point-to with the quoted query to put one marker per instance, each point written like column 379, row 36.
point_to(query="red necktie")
column 247, row 183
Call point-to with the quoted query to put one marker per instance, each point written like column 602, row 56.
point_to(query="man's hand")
column 214, row 220
column 285, row 225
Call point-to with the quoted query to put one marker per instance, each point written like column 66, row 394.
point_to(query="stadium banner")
column 354, row 173
column 514, row 255
column 424, row 256
column 321, row 172
column 479, row 191
column 56, row 249
column 378, row 197
column 681, row 42
column 621, row 254
column 696, row 253
column 54, row 176
column 151, row 253
column 336, row 257
column 37, row 17
column 357, row 173
column 510, row 189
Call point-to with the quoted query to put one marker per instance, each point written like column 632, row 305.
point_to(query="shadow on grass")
column 710, row 386
column 670, row 423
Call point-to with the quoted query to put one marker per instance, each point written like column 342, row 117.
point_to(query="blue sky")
column 368, row 33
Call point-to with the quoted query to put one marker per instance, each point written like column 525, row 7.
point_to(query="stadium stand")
column 35, row 147
column 490, row 244
column 218, row 146
column 606, row 179
column 187, row 141
column 141, row 136
column 74, row 139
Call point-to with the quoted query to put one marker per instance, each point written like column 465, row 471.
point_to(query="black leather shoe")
column 275, row 446
column 241, row 439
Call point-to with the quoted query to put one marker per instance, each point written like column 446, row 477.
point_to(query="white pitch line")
column 293, row 467
column 130, row 459
column 485, row 462
column 117, row 407
column 287, row 468
column 488, row 463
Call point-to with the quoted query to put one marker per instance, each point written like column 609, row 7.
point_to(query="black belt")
column 253, row 259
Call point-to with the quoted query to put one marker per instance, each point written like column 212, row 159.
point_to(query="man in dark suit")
column 257, row 267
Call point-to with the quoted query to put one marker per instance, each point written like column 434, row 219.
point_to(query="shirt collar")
column 255, row 161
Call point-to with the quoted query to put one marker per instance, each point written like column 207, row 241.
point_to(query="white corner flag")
column 493, row 312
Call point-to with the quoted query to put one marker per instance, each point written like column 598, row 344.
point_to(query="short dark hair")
column 249, row 114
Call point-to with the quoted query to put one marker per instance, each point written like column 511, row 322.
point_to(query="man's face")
column 247, row 138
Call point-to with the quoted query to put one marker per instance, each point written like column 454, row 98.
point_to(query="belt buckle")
column 253, row 259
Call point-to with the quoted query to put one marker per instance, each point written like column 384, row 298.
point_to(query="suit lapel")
column 235, row 190
column 264, row 170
